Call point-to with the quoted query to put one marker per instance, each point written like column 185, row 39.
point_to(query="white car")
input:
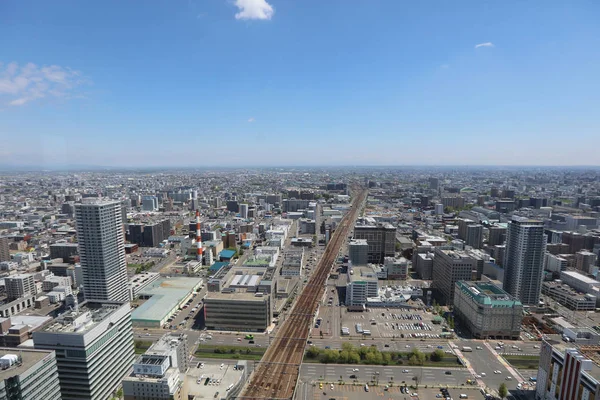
column 405, row 371
column 497, row 372
column 483, row 374
column 354, row 369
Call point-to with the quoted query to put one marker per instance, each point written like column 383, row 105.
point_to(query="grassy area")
column 523, row 362
column 230, row 352
column 141, row 346
column 139, row 268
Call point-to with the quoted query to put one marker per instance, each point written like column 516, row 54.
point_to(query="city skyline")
column 274, row 83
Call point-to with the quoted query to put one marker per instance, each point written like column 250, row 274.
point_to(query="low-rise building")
column 139, row 282
column 396, row 268
column 358, row 252
column 487, row 310
column 28, row 375
column 569, row 297
column 238, row 311
column 362, row 284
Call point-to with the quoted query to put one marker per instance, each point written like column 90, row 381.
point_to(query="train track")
column 276, row 375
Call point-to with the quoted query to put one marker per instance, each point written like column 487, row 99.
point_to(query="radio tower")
column 198, row 238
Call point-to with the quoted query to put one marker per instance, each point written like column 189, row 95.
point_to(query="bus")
column 467, row 348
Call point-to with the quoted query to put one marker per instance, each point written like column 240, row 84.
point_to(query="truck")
column 467, row 348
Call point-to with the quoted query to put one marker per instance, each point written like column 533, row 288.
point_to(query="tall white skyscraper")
column 524, row 260
column 102, row 250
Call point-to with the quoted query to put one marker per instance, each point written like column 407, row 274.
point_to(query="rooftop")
column 581, row 277
column 487, row 293
column 83, row 318
column 27, row 358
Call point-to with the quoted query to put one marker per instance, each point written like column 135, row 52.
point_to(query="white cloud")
column 251, row 119
column 486, row 44
column 254, row 9
column 20, row 85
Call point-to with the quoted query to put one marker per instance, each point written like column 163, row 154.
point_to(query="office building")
column 150, row 234
column 20, row 285
column 439, row 209
column 455, row 202
column 307, row 226
column 505, row 205
column 434, row 183
column 358, row 252
column 497, row 235
column 28, row 375
column 159, row 373
column 293, row 205
column 423, row 264
column 487, row 311
column 581, row 282
column 566, row 373
column 149, row 203
column 449, row 267
column 555, row 263
column 94, row 348
column 396, row 268
column 474, row 236
column 238, row 311
column 524, row 259
column 4, row 249
column 585, row 261
column 381, row 239
column 244, row 210
column 63, row 250
column 102, row 251
column 362, row 284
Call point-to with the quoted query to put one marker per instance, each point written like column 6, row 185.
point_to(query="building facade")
column 381, row 239
column 94, row 348
column 18, row 286
column 248, row 312
column 28, row 375
column 566, row 374
column 362, row 284
column 524, row 259
column 102, row 250
column 449, row 267
column 358, row 252
column 487, row 311
column 4, row 249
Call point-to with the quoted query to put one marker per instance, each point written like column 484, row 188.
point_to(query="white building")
column 28, row 375
column 362, row 284
column 20, row 285
column 555, row 263
column 581, row 283
column 94, row 348
column 102, row 250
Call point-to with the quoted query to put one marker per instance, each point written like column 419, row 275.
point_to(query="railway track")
column 276, row 375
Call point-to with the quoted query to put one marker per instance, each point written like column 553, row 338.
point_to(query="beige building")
column 238, row 311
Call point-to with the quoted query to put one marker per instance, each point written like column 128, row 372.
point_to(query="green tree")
column 502, row 390
column 416, row 357
column 329, row 356
column 313, row 352
column 437, row 355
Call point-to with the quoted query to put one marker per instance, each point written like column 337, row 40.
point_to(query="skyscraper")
column 524, row 260
column 28, row 374
column 102, row 250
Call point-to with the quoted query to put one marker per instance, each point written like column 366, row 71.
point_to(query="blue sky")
column 287, row 82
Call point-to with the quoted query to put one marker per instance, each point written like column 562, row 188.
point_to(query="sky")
column 189, row 83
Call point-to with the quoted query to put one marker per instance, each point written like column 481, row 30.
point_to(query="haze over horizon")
column 284, row 83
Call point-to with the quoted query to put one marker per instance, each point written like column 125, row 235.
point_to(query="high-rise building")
column 434, row 183
column 449, row 267
column 497, row 235
column 585, row 261
column 381, row 239
column 28, row 375
column 150, row 203
column 358, row 252
column 4, row 249
column 94, row 348
column 102, row 250
column 524, row 259
column 474, row 236
column 244, row 210
column 19, row 285
column 566, row 373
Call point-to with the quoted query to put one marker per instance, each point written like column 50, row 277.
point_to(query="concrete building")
column 581, row 283
column 474, row 236
column 497, row 234
column 423, row 264
column 358, row 252
column 307, row 226
column 585, row 261
column 293, row 205
column 397, row 268
column 434, row 183
column 160, row 372
column 102, row 251
column 20, row 285
column 28, row 375
column 238, row 311
column 94, row 348
column 63, row 250
column 449, row 267
column 455, row 202
column 362, row 284
column 487, row 311
column 569, row 297
column 149, row 203
column 555, row 263
column 150, row 234
column 293, row 263
column 524, row 259
column 566, row 373
column 4, row 249
column 381, row 239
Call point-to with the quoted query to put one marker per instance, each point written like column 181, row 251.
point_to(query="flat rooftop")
column 227, row 376
column 27, row 359
column 86, row 317
column 581, row 277
column 246, row 296
column 165, row 295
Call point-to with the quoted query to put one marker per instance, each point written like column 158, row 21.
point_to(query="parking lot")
column 359, row 392
column 391, row 323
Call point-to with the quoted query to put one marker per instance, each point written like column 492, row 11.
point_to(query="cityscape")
column 299, row 200
column 301, row 283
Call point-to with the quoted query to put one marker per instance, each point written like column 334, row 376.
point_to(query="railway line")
column 276, row 375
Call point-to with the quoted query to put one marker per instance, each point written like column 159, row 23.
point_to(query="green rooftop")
column 487, row 293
